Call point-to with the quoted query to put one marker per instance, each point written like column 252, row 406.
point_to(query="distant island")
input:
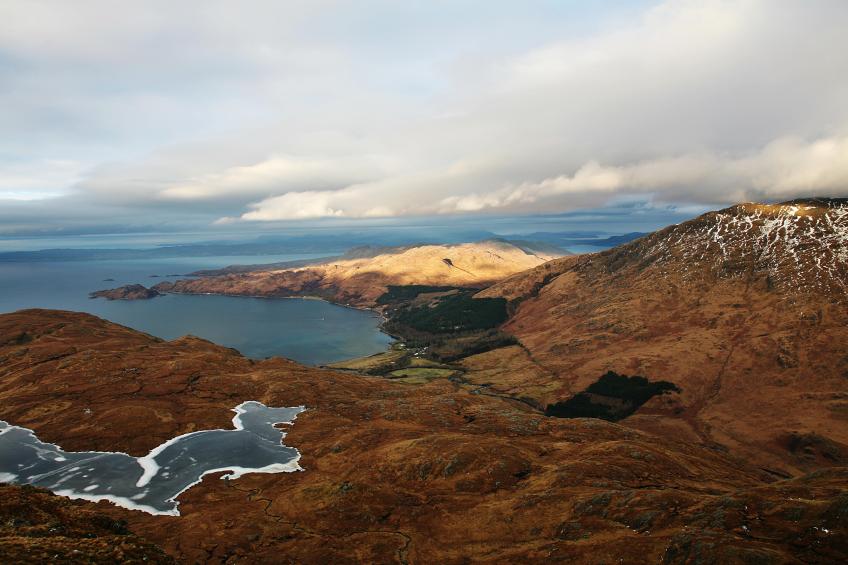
column 127, row 292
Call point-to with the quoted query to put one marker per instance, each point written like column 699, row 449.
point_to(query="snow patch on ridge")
column 801, row 248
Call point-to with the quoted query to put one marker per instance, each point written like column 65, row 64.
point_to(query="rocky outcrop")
column 39, row 527
column 128, row 292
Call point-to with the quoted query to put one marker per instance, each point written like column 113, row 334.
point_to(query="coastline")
column 379, row 313
column 375, row 310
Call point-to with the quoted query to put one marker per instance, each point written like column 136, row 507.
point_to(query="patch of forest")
column 612, row 397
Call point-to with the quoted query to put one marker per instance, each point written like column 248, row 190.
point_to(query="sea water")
column 309, row 331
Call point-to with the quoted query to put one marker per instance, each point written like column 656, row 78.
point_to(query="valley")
column 670, row 400
column 730, row 309
column 424, row 283
column 743, row 309
column 396, row 472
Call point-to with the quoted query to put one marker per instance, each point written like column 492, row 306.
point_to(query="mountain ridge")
column 744, row 309
column 361, row 280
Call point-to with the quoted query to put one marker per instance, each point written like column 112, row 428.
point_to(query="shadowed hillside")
column 393, row 473
column 743, row 309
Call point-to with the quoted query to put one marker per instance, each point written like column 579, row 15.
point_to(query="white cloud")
column 296, row 206
column 274, row 175
column 279, row 111
column 39, row 180
column 786, row 168
column 790, row 166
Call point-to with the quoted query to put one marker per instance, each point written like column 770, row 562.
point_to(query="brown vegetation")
column 402, row 473
column 361, row 281
column 745, row 310
column 39, row 527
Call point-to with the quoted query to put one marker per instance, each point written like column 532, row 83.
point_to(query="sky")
column 223, row 115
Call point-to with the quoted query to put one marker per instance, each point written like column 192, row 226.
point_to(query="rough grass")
column 421, row 373
column 458, row 347
column 422, row 362
column 407, row 293
column 372, row 364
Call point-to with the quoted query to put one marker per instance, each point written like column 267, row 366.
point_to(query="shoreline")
column 150, row 468
column 380, row 327
column 378, row 315
column 304, row 297
column 382, row 317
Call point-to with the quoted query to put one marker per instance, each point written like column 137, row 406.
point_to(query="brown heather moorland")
column 743, row 309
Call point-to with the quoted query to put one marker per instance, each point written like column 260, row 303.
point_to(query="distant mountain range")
column 362, row 275
column 564, row 240
column 331, row 245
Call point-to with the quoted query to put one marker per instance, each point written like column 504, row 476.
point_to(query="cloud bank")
column 290, row 111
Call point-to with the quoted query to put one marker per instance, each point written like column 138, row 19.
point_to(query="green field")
column 420, row 376
column 424, row 362
column 374, row 364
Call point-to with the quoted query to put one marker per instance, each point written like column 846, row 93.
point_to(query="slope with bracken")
column 393, row 473
column 744, row 309
column 360, row 281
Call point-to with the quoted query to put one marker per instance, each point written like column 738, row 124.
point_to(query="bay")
column 309, row 331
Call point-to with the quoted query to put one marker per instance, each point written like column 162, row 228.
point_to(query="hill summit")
column 795, row 247
column 361, row 280
column 743, row 309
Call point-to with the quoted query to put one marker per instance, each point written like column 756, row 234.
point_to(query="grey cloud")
column 280, row 111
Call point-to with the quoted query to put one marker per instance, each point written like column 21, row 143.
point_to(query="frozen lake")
column 152, row 483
